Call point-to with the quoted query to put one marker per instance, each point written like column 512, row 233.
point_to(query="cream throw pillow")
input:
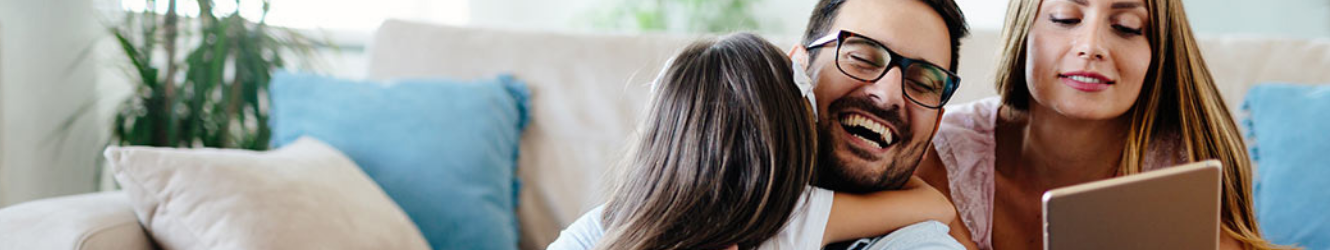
column 306, row 195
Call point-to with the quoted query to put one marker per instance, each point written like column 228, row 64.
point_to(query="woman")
column 1090, row 89
column 725, row 159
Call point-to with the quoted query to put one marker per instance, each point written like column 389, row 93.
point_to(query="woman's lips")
column 1086, row 81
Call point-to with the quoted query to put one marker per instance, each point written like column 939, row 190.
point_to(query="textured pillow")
column 1289, row 129
column 445, row 151
column 306, row 195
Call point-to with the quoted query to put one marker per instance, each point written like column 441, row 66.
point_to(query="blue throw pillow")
column 1289, row 129
column 445, row 151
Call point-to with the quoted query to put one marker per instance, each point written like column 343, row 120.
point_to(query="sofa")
column 588, row 93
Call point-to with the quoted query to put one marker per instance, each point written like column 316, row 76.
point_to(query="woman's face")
column 1087, row 59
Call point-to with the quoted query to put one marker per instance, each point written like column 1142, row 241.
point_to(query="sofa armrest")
column 87, row 221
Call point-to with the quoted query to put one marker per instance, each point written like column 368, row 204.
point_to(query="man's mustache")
column 891, row 115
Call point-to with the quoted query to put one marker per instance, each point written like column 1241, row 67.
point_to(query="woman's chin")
column 1090, row 111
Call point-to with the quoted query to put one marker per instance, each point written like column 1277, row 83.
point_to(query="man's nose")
column 886, row 91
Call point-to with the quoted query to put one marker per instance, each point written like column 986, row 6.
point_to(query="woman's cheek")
column 1040, row 59
column 1135, row 65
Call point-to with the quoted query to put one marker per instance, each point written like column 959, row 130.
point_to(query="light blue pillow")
column 1289, row 129
column 445, row 151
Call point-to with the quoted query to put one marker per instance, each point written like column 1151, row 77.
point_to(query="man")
column 882, row 70
column 877, row 115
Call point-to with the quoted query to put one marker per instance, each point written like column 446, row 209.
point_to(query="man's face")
column 871, row 136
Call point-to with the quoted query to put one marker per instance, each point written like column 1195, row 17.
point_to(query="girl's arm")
column 856, row 216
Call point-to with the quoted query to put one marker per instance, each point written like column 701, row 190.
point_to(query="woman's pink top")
column 966, row 145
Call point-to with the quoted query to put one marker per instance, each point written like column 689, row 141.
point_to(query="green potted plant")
column 199, row 80
column 209, row 89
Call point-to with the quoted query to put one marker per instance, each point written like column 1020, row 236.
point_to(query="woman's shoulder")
column 965, row 146
column 978, row 115
column 965, row 134
column 1166, row 150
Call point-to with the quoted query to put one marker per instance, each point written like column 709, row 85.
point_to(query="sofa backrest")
column 588, row 92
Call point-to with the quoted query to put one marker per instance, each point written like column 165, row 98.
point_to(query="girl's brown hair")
column 1178, row 100
column 723, row 157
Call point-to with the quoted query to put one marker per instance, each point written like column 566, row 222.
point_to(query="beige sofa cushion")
column 306, row 195
column 97, row 221
column 1240, row 62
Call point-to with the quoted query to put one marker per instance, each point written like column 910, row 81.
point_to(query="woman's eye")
column 1128, row 30
column 1065, row 21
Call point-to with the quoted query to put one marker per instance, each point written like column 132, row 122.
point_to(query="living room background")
column 37, row 95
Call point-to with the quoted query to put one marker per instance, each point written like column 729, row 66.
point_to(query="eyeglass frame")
column 949, row 87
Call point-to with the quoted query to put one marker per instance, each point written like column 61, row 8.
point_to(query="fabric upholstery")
column 444, row 150
column 306, row 195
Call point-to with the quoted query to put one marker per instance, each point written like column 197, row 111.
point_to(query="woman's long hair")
column 1177, row 100
column 723, row 156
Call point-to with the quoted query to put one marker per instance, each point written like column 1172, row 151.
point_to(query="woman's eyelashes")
column 1065, row 21
column 1128, row 30
column 1073, row 21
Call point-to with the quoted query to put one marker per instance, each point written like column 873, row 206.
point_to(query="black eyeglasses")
column 867, row 60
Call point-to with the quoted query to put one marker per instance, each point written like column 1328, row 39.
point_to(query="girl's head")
column 1135, row 62
column 726, row 151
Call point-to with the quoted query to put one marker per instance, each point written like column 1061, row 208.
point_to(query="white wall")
column 1290, row 18
column 46, row 76
column 563, row 15
column 778, row 17
column 2, row 115
column 1286, row 18
column 783, row 18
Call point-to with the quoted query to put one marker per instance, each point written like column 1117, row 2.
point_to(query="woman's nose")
column 1090, row 43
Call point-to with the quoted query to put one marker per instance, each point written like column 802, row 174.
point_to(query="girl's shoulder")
column 806, row 225
column 583, row 234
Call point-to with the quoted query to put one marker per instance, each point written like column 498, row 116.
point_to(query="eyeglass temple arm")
column 824, row 40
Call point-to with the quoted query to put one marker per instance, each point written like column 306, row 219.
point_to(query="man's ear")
column 799, row 54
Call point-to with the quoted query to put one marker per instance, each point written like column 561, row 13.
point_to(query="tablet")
column 1170, row 208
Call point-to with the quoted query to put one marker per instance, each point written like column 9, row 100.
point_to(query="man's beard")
column 838, row 175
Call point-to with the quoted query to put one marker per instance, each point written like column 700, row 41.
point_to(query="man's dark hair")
column 825, row 12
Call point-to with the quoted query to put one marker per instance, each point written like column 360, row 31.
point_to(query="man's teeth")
column 1085, row 79
column 855, row 120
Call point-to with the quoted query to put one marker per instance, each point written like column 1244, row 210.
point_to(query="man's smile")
column 867, row 132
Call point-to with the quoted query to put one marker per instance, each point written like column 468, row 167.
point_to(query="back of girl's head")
column 724, row 155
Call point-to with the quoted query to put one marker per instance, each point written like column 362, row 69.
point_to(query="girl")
column 725, row 158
